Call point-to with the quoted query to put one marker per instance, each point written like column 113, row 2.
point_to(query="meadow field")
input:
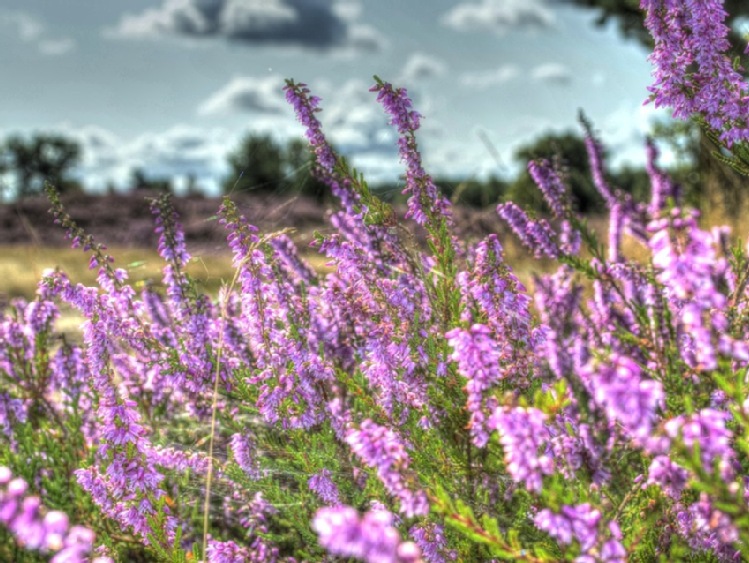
column 246, row 381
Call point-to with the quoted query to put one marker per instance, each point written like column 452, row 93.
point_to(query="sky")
column 172, row 86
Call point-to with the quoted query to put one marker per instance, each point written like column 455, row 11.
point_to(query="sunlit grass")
column 21, row 267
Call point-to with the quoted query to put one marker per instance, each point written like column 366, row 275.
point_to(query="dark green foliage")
column 262, row 165
column 140, row 181
column 299, row 177
column 39, row 159
column 256, row 165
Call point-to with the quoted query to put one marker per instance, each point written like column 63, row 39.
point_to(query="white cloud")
column 27, row 27
column 30, row 30
column 554, row 73
column 355, row 121
column 499, row 16
column 174, row 153
column 313, row 24
column 487, row 78
column 246, row 94
column 363, row 38
column 349, row 10
column 56, row 47
column 420, row 66
column 625, row 129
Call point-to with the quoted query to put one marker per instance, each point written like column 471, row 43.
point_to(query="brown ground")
column 126, row 220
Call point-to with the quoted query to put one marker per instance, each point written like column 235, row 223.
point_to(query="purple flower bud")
column 371, row 538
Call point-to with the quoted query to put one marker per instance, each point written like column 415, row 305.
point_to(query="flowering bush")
column 412, row 405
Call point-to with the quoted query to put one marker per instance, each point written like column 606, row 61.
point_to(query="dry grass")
column 21, row 267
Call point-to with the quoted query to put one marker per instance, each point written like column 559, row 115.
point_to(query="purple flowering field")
column 413, row 404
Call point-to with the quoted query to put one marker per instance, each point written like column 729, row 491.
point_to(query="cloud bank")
column 246, row 94
column 323, row 25
column 499, row 16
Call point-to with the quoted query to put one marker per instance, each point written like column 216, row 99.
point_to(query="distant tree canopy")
column 39, row 159
column 140, row 181
column 473, row 192
column 569, row 149
column 262, row 165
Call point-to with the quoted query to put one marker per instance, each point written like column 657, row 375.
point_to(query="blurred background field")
column 35, row 244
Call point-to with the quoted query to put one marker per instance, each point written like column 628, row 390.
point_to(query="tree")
column 140, row 181
column 473, row 193
column 722, row 188
column 261, row 165
column 40, row 159
column 570, row 149
column 255, row 166
column 298, row 164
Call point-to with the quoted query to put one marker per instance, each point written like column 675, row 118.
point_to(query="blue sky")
column 171, row 86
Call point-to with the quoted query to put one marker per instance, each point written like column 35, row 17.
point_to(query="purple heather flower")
column 552, row 186
column 324, row 487
column 627, row 398
column 537, row 236
column 569, row 239
column 579, row 523
column 430, row 538
column 491, row 291
column 382, row 449
column 371, row 537
column 708, row 529
column 689, row 267
column 557, row 300
column 425, row 202
column 662, row 187
column 226, row 552
column 693, row 74
column 615, row 232
column 706, row 429
column 242, row 448
column 173, row 250
column 575, row 449
column 524, row 437
column 595, row 157
column 37, row 530
column 668, row 476
column 478, row 357
column 289, row 373
column 298, row 270
column 305, row 107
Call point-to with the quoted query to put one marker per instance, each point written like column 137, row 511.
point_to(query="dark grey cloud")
column 317, row 24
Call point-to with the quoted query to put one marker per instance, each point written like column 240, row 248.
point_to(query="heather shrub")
column 416, row 404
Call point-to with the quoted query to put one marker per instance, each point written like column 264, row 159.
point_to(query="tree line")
column 262, row 165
